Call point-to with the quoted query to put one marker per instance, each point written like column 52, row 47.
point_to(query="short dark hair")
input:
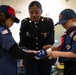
column 38, row 4
column 3, row 17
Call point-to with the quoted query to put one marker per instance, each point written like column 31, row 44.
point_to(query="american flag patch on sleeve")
column 4, row 31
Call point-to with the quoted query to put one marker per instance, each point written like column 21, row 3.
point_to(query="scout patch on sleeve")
column 74, row 38
column 68, row 47
column 72, row 33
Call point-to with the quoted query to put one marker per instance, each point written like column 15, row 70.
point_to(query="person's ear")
column 74, row 19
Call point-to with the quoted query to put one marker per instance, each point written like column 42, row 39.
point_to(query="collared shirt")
column 36, row 35
column 69, row 44
column 8, row 65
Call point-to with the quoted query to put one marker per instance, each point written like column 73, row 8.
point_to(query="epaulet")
column 25, row 20
column 47, row 19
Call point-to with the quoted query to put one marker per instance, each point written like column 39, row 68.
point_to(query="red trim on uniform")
column 62, row 39
column 62, row 42
column 11, row 11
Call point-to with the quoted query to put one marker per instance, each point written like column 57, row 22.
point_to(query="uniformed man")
column 36, row 32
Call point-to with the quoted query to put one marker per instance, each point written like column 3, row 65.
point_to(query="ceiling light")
column 56, row 41
column 18, row 12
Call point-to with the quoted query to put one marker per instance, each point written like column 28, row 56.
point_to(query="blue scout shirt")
column 69, row 45
column 8, row 65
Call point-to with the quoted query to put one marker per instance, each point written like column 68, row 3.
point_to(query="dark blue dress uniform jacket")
column 35, row 35
column 69, row 45
column 8, row 64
